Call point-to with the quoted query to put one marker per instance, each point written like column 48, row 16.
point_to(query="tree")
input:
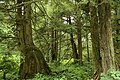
column 106, row 40
column 33, row 61
column 74, row 48
column 54, row 51
column 87, row 41
column 95, row 40
column 79, row 36
column 79, row 31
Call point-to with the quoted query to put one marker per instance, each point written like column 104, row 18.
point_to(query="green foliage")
column 9, row 55
column 45, row 77
column 67, row 72
column 111, row 75
column 9, row 65
column 1, row 16
column 47, row 15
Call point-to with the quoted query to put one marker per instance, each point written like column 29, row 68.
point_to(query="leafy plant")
column 67, row 72
column 111, row 74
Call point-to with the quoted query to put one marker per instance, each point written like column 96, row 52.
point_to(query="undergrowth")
column 68, row 72
column 111, row 74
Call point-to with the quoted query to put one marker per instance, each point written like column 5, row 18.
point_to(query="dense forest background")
column 60, row 39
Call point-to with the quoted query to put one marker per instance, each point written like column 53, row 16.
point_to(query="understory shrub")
column 68, row 72
column 111, row 74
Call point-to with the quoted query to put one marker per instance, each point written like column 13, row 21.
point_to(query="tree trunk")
column 106, row 40
column 95, row 41
column 33, row 61
column 60, row 46
column 52, row 46
column 79, row 36
column 74, row 48
column 54, row 50
column 56, row 45
column 87, row 42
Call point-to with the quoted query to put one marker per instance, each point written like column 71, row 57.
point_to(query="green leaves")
column 111, row 75
column 68, row 72
column 9, row 65
column 1, row 16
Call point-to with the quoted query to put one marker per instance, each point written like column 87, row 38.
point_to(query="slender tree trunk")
column 106, row 40
column 52, row 46
column 33, row 61
column 60, row 46
column 79, row 36
column 74, row 48
column 48, row 55
column 87, row 41
column 56, row 45
column 54, row 50
column 95, row 41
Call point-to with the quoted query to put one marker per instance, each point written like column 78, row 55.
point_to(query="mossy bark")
column 95, row 41
column 34, row 63
column 33, row 60
column 106, row 40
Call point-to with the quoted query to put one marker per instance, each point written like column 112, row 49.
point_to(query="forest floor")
column 68, row 71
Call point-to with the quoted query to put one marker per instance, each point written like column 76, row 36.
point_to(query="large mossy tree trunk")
column 33, row 60
column 95, row 41
column 106, row 40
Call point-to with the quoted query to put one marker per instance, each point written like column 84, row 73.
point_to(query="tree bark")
column 33, row 61
column 74, row 48
column 52, row 46
column 87, row 42
column 79, row 36
column 106, row 40
column 54, row 50
column 95, row 41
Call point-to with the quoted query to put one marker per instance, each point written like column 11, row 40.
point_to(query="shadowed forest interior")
column 59, row 39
